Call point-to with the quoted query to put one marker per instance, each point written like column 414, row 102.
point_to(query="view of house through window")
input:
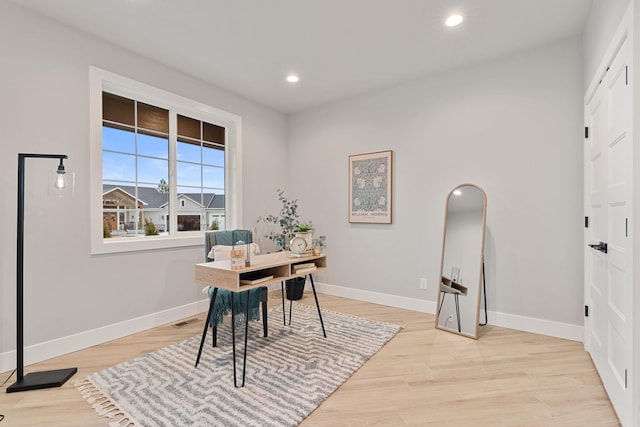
column 200, row 174
column 138, row 198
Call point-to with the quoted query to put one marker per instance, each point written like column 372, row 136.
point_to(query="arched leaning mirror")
column 461, row 268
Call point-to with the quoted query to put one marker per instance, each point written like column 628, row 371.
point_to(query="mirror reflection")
column 462, row 257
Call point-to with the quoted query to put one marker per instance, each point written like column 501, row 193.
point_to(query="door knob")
column 602, row 247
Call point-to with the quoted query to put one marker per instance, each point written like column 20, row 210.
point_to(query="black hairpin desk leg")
column 317, row 305
column 206, row 324
column 315, row 295
column 233, row 338
column 284, row 316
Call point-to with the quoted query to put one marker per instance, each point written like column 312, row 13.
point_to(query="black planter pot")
column 295, row 288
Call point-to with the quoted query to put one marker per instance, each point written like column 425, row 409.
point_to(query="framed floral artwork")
column 370, row 187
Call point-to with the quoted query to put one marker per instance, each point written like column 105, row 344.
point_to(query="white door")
column 608, row 192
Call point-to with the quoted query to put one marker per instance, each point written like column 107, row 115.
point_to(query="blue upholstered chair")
column 257, row 297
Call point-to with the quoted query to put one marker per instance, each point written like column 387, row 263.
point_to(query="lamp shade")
column 61, row 183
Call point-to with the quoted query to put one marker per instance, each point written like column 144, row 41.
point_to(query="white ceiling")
column 339, row 48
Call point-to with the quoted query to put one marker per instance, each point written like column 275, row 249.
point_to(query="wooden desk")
column 280, row 265
column 452, row 287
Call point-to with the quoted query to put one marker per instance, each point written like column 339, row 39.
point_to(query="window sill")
column 145, row 243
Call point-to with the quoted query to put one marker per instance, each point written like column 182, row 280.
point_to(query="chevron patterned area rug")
column 289, row 374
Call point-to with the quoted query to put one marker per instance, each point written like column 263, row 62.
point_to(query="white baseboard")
column 422, row 306
column 503, row 320
column 536, row 326
column 49, row 349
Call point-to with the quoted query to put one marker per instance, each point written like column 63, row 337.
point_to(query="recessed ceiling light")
column 453, row 20
column 292, row 78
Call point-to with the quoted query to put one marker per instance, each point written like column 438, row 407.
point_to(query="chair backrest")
column 224, row 238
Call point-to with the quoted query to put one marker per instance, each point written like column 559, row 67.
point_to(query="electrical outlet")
column 423, row 284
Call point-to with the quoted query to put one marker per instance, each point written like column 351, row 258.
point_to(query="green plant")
column 214, row 225
column 106, row 232
column 303, row 228
column 288, row 221
column 150, row 228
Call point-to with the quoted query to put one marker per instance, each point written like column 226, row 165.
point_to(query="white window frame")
column 101, row 80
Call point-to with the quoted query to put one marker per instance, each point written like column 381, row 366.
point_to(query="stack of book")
column 255, row 278
column 304, row 268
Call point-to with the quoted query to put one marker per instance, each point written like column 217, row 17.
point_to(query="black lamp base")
column 44, row 379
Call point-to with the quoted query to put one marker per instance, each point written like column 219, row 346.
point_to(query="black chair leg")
column 265, row 329
column 284, row 313
column 214, row 336
column 290, row 310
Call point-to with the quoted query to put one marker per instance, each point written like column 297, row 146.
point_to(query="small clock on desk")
column 298, row 246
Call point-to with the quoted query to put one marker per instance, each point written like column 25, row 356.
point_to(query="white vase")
column 308, row 236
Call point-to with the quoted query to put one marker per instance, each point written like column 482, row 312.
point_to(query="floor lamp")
column 44, row 379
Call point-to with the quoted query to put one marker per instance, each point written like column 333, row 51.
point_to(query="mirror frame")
column 480, row 264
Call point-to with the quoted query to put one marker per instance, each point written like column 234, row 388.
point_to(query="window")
column 160, row 170
column 135, row 167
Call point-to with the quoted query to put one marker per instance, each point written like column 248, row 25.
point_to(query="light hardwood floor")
column 422, row 377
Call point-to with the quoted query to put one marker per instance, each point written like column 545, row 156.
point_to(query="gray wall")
column 512, row 127
column 44, row 108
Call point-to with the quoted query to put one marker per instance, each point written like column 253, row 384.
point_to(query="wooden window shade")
column 153, row 118
column 188, row 129
column 120, row 113
column 118, row 109
column 211, row 136
column 213, row 133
